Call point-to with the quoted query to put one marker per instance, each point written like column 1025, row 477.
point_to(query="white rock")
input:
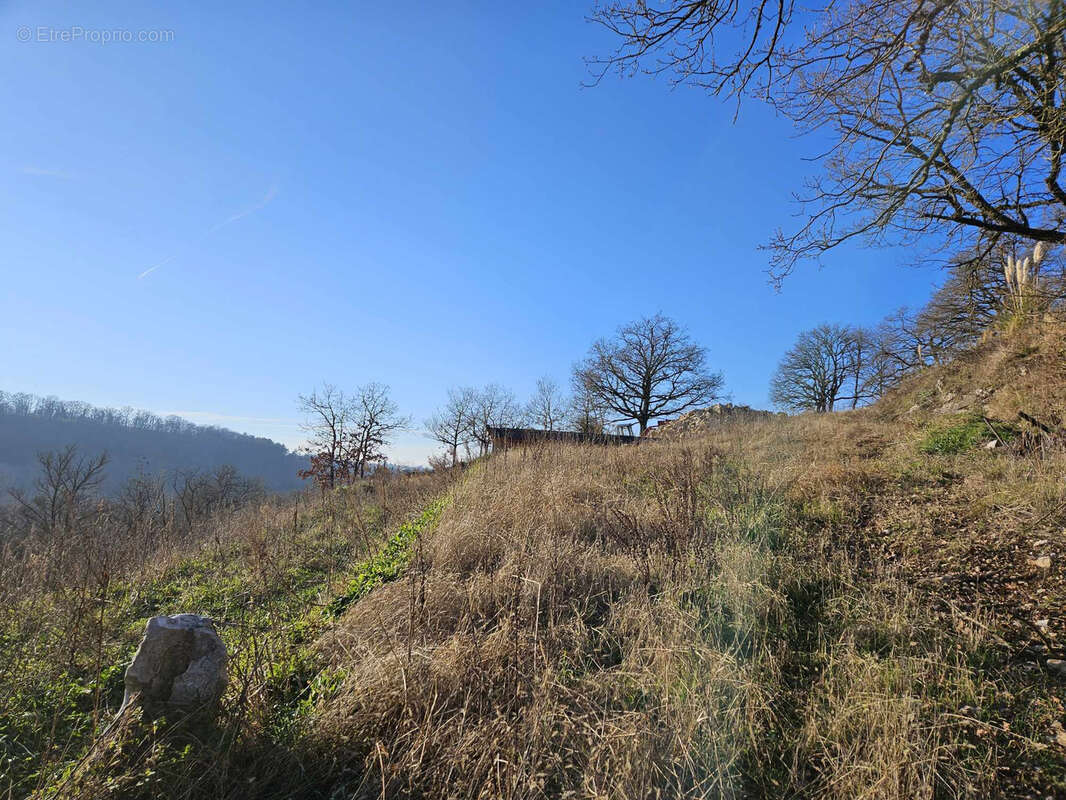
column 180, row 666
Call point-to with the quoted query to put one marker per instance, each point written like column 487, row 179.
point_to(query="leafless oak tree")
column 328, row 412
column 945, row 116
column 815, row 371
column 348, row 433
column 649, row 369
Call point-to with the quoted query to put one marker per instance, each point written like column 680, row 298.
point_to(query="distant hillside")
column 136, row 442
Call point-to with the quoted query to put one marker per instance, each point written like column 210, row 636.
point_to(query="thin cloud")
column 154, row 267
column 216, row 417
column 271, row 193
column 288, row 432
column 47, row 173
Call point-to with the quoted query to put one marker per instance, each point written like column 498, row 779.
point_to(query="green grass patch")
column 963, row 434
column 387, row 564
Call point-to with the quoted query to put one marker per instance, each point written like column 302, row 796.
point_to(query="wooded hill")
column 137, row 442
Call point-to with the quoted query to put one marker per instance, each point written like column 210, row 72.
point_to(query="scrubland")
column 863, row 604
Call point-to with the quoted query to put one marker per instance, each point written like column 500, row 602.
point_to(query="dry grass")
column 678, row 619
column 815, row 607
column 645, row 622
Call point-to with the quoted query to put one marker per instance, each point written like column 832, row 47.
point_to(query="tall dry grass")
column 642, row 622
column 731, row 617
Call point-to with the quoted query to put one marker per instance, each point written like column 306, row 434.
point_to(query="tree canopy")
column 942, row 116
column 649, row 369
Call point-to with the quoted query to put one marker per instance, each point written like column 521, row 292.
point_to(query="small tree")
column 65, row 491
column 374, row 420
column 200, row 494
column 328, row 412
column 649, row 369
column 814, row 372
column 347, row 433
column 493, row 406
column 585, row 413
column 451, row 424
column 548, row 407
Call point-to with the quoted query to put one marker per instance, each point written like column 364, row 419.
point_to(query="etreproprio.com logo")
column 78, row 33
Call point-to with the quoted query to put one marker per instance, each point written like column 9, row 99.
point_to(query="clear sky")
column 422, row 194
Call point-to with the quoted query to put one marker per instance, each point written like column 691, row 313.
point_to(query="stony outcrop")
column 705, row 419
column 179, row 667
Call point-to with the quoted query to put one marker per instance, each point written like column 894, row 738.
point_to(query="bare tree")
column 586, row 414
column 942, row 116
column 347, row 433
column 65, row 491
column 968, row 302
column 911, row 341
column 548, row 407
column 971, row 300
column 493, row 406
column 374, row 418
column 199, row 494
column 144, row 497
column 863, row 348
column 814, row 372
column 328, row 415
column 451, row 424
column 649, row 369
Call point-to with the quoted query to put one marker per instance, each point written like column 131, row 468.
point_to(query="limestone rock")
column 180, row 667
column 1057, row 665
column 705, row 419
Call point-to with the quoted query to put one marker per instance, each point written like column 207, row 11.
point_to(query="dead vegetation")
column 653, row 621
column 866, row 604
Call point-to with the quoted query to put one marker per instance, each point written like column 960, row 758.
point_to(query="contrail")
column 152, row 269
column 272, row 192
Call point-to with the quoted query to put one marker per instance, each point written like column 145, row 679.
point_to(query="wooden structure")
column 505, row 438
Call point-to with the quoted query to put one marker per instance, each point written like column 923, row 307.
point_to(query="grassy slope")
column 71, row 617
column 836, row 607
column 820, row 607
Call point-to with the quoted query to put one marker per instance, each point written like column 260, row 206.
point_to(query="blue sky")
column 418, row 194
